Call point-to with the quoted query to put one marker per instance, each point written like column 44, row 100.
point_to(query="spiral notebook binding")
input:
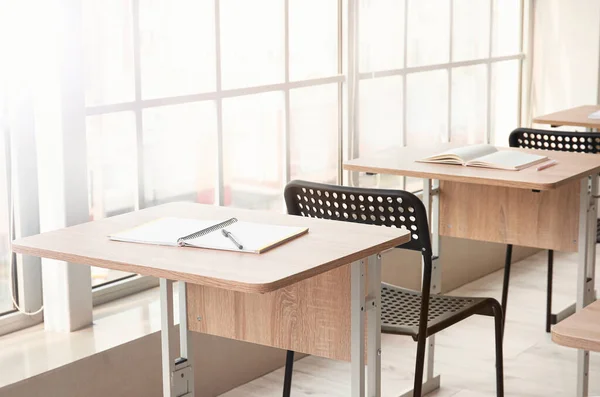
column 182, row 240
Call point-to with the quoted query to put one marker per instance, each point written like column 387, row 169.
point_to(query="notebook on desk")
column 486, row 156
column 229, row 235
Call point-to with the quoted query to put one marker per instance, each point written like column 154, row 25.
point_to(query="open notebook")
column 486, row 156
column 252, row 237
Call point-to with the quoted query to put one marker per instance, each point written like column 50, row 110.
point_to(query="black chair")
column 404, row 311
column 562, row 141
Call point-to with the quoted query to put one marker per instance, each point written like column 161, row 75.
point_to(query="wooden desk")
column 576, row 117
column 551, row 209
column 282, row 298
column 581, row 330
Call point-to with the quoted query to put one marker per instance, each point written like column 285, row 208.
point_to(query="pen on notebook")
column 230, row 237
column 547, row 165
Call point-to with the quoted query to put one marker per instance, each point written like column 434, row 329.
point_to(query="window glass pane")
column 5, row 251
column 111, row 148
column 253, row 135
column 469, row 109
column 381, row 35
column 470, row 29
column 428, row 31
column 313, row 38
column 380, row 119
column 507, row 21
column 427, row 107
column 180, row 153
column 111, row 145
column 252, row 42
column 380, row 125
column 108, row 51
column 314, row 133
column 505, row 100
column 177, row 47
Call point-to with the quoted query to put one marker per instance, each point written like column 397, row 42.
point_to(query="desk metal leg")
column 586, row 267
column 373, row 305
column 177, row 372
column 357, row 350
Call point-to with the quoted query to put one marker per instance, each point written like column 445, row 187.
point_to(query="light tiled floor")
column 534, row 365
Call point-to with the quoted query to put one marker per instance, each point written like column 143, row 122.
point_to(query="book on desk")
column 486, row 156
column 229, row 235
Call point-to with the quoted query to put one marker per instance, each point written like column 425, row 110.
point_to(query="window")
column 195, row 101
column 225, row 101
column 436, row 71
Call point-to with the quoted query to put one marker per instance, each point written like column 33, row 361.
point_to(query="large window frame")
column 347, row 80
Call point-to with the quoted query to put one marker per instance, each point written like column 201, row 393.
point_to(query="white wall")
column 566, row 44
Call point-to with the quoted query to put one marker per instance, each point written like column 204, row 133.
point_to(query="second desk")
column 550, row 209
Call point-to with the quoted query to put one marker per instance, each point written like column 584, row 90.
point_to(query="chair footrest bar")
column 428, row 386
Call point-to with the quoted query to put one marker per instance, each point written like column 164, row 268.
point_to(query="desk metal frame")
column 178, row 371
column 586, row 268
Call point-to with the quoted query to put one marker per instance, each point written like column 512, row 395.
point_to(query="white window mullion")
column 220, row 183
column 352, row 85
column 404, row 138
column 340, row 107
column 521, row 62
column 140, row 201
column 488, row 121
column 287, row 125
column 450, row 59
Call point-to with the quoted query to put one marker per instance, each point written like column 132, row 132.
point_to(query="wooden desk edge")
column 258, row 288
column 469, row 179
column 574, row 342
column 556, row 123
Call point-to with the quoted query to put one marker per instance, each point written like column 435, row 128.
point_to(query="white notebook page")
column 165, row 231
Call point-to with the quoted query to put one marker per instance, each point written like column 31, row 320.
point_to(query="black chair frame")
column 404, row 312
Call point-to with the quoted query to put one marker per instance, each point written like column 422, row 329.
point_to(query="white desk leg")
column 357, row 309
column 586, row 267
column 373, row 305
column 431, row 198
column 177, row 373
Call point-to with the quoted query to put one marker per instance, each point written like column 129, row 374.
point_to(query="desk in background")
column 282, row 298
column 573, row 117
column 549, row 209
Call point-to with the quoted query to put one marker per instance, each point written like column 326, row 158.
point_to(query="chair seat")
column 401, row 310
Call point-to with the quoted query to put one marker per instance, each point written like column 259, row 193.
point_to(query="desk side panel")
column 311, row 316
column 546, row 219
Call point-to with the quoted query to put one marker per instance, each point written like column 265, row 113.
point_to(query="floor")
column 534, row 365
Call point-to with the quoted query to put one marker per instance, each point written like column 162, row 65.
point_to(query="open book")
column 595, row 115
column 486, row 156
column 229, row 235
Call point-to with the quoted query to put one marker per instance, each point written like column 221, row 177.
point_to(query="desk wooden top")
column 576, row 117
column 328, row 244
column 403, row 161
column 581, row 330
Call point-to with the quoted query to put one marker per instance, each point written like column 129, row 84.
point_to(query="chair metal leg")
column 507, row 264
column 549, row 291
column 289, row 369
column 419, row 365
column 499, row 325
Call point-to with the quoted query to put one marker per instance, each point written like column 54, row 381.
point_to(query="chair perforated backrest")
column 563, row 141
column 392, row 208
